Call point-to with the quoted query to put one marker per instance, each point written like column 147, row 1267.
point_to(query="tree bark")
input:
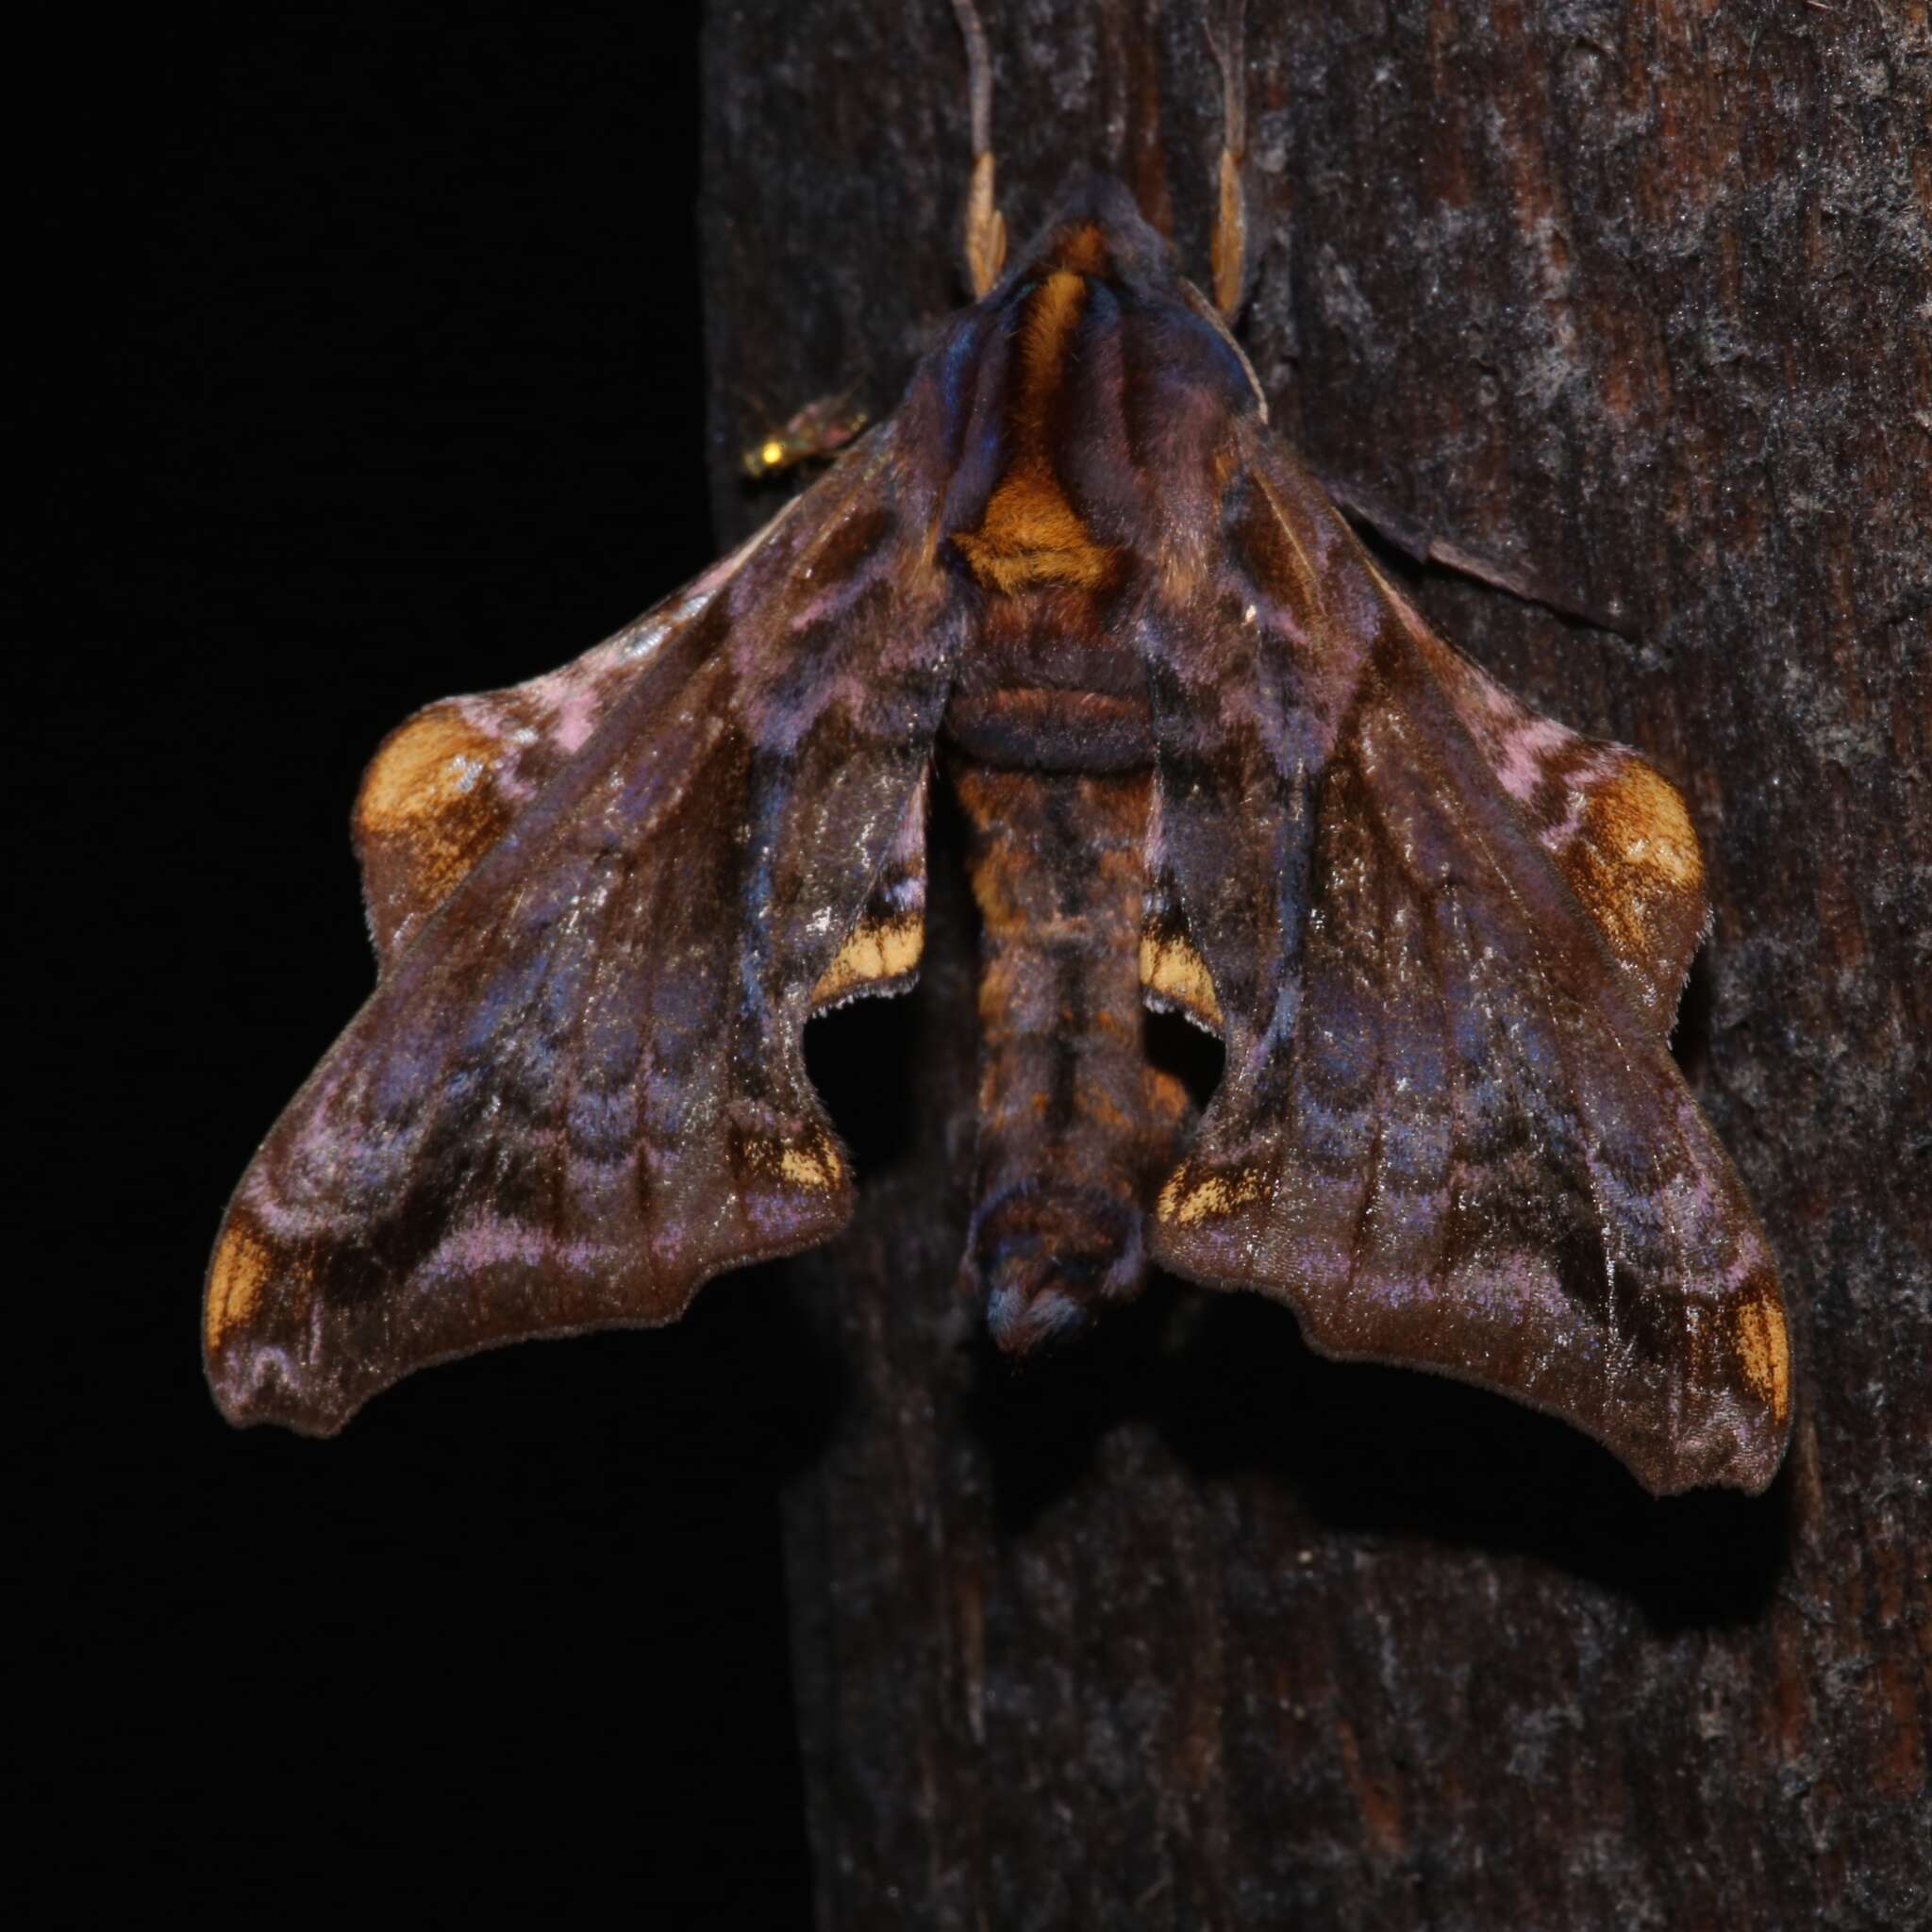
column 1191, row 1627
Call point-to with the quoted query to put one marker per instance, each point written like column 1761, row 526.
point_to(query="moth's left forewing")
column 447, row 783
column 1449, row 1132
column 881, row 950
column 578, row 1090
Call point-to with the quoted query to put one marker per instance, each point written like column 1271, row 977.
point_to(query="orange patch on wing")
column 425, row 766
column 810, row 1162
column 877, row 952
column 818, row 1167
column 1639, row 816
column 1636, row 865
column 1171, row 968
column 1765, row 1349
column 427, row 810
column 1191, row 1196
column 236, row 1278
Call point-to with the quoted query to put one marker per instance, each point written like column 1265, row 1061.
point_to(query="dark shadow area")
column 1229, row 1382
column 1043, row 1418
column 863, row 1060
column 1193, row 1056
column 1403, row 1453
column 394, row 374
column 1691, row 1034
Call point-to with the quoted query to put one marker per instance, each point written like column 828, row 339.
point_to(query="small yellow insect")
column 819, row 430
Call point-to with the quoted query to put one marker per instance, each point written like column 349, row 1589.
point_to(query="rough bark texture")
column 1194, row 1628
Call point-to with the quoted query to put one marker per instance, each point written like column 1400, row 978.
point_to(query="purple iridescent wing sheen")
column 446, row 784
column 604, row 912
column 1445, row 938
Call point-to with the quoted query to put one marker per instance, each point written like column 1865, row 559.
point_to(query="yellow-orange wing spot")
column 425, row 764
column 236, row 1279
column 1636, row 865
column 1172, row 969
column 1641, row 813
column 1765, row 1349
column 877, row 953
column 427, row 810
column 816, row 1166
column 1189, row 1197
column 811, row 1162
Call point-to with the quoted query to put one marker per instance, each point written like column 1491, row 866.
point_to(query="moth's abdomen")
column 1075, row 1125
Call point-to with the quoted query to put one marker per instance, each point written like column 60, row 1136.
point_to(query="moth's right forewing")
column 1449, row 1133
column 1616, row 827
column 1252, row 655
column 578, row 1090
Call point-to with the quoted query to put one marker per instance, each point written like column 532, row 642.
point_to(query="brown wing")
column 578, row 1092
column 1616, row 827
column 447, row 783
column 1445, row 938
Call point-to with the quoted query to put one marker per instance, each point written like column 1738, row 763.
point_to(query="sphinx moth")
column 1208, row 759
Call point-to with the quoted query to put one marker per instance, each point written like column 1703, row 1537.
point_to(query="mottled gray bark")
column 1192, row 1627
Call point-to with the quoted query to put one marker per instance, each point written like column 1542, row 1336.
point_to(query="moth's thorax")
column 1061, row 390
column 1030, row 533
column 1051, row 687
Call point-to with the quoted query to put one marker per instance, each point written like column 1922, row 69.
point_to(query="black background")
column 386, row 383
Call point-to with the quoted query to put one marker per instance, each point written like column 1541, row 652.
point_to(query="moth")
column 1210, row 760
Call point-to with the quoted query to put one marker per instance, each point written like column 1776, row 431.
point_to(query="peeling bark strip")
column 1195, row 1628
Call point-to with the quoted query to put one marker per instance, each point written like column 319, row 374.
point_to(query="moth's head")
column 1097, row 240
column 1074, row 398
column 1096, row 231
